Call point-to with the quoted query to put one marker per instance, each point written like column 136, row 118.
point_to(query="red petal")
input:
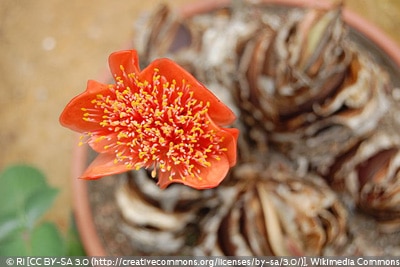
column 129, row 61
column 218, row 111
column 230, row 143
column 103, row 165
column 72, row 116
column 211, row 177
column 98, row 144
column 230, row 136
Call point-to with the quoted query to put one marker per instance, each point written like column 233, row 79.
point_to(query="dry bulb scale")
column 318, row 169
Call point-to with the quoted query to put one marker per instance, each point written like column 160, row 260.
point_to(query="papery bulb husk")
column 309, row 88
column 275, row 212
column 156, row 220
column 342, row 120
column 298, row 85
column 369, row 174
column 278, row 66
column 164, row 28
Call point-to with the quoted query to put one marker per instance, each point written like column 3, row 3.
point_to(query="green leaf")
column 9, row 224
column 74, row 244
column 25, row 197
column 25, row 193
column 43, row 240
column 17, row 244
column 46, row 240
column 17, row 184
column 38, row 203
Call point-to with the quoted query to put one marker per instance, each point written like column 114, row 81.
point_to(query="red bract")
column 160, row 118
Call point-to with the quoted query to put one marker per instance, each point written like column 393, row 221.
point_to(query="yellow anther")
column 162, row 140
column 180, row 131
column 156, row 78
column 154, row 173
column 98, row 139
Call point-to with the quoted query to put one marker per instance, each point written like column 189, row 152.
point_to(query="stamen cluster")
column 156, row 125
column 159, row 118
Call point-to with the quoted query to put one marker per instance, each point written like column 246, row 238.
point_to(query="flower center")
column 155, row 124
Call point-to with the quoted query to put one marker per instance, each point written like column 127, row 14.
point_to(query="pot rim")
column 81, row 206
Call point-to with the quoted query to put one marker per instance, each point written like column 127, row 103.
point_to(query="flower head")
column 160, row 118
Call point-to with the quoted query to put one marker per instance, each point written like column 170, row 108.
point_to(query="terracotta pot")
column 388, row 51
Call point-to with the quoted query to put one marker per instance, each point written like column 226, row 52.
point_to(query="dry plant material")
column 319, row 156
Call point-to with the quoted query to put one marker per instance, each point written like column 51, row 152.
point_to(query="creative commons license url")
column 148, row 261
column 201, row 261
column 213, row 262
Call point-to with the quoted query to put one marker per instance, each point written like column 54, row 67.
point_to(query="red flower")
column 160, row 118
